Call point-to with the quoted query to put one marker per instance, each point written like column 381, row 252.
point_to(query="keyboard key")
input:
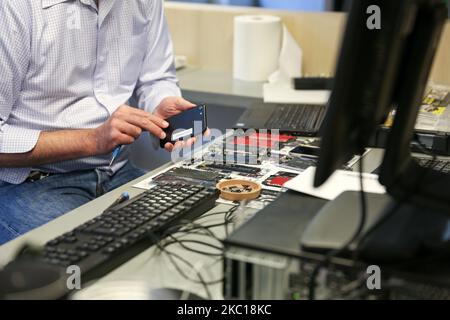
column 109, row 250
column 93, row 247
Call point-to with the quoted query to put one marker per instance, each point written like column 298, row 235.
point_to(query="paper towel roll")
column 257, row 47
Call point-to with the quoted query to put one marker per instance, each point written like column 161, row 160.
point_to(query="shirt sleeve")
column 158, row 77
column 14, row 60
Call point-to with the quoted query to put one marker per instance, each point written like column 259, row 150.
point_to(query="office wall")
column 204, row 33
column 441, row 68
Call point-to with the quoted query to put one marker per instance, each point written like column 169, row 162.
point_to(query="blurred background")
column 304, row 5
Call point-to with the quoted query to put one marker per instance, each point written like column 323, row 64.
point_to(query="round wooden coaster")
column 239, row 190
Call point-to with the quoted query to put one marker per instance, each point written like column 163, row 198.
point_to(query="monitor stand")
column 404, row 235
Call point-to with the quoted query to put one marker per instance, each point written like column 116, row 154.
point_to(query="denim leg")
column 31, row 204
column 128, row 173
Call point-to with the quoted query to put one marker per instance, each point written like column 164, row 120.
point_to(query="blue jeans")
column 29, row 205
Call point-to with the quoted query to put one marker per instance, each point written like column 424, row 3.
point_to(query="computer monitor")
column 385, row 64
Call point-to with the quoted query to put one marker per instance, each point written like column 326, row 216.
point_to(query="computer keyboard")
column 301, row 118
column 105, row 242
column 437, row 165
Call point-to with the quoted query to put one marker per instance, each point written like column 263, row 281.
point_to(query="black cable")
column 232, row 209
column 193, row 231
column 210, row 226
column 184, row 223
column 229, row 218
column 182, row 244
column 201, row 280
column 362, row 221
column 187, row 227
column 206, row 244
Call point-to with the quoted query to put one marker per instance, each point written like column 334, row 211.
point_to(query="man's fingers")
column 156, row 131
column 125, row 139
column 168, row 146
column 207, row 132
column 147, row 125
column 191, row 141
column 183, row 104
column 129, row 129
column 158, row 121
column 178, row 145
column 128, row 113
column 143, row 121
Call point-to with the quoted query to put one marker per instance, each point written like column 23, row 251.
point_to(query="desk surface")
column 151, row 266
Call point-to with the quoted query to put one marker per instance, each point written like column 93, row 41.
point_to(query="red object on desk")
column 264, row 140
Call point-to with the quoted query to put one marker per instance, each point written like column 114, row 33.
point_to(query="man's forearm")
column 54, row 147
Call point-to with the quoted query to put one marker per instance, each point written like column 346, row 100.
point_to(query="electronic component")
column 180, row 172
column 232, row 168
column 279, row 179
column 185, row 125
column 305, row 152
column 237, row 157
column 297, row 163
column 296, row 119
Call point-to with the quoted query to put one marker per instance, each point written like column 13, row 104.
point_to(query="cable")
column 170, row 255
column 184, row 223
column 201, row 280
column 232, row 209
column 334, row 253
column 187, row 227
column 181, row 243
column 199, row 242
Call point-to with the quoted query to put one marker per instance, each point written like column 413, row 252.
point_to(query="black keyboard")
column 300, row 118
column 437, row 165
column 105, row 242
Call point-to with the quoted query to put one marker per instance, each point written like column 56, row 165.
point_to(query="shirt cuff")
column 159, row 92
column 17, row 140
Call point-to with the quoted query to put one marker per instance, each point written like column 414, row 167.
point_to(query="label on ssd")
column 182, row 134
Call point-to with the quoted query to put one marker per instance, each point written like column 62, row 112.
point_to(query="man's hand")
column 125, row 126
column 170, row 107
